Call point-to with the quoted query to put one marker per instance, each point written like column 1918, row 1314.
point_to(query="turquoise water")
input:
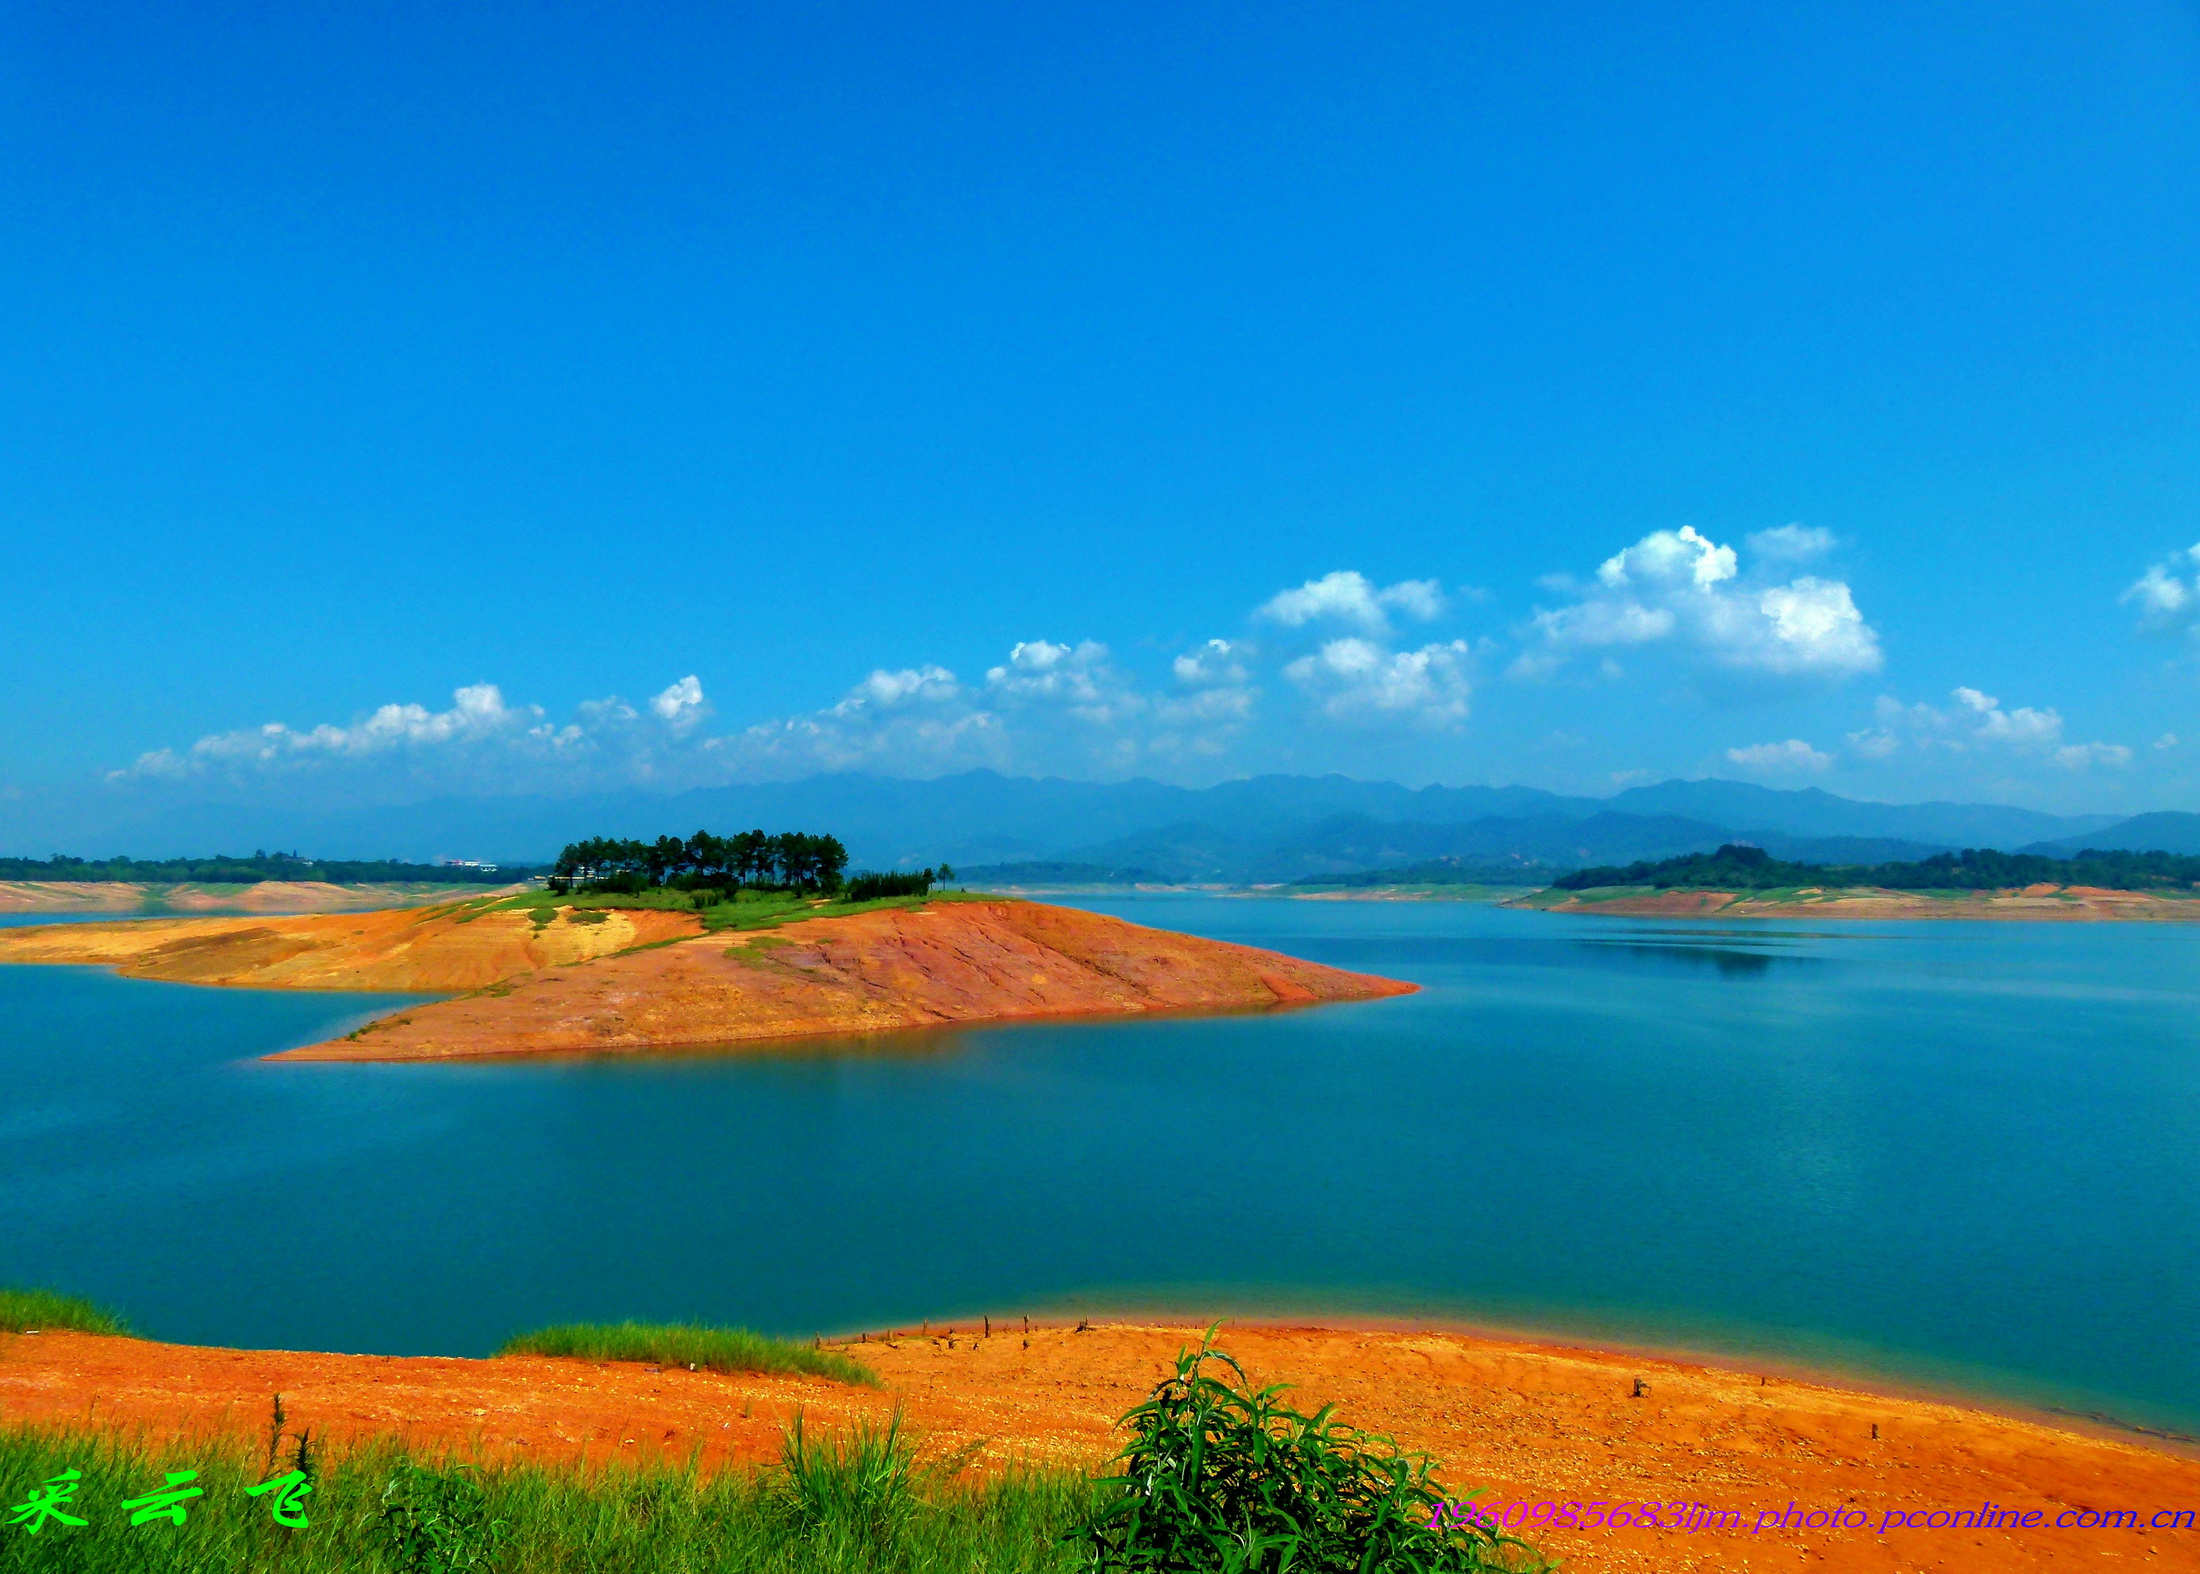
column 1966, row 1155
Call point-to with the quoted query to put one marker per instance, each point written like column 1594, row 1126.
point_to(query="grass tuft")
column 688, row 1344
column 386, row 1507
column 47, row 1310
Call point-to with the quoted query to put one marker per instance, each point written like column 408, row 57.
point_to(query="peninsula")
column 545, row 974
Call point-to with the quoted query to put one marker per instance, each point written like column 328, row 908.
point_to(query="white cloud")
column 1980, row 724
column 1073, row 678
column 1684, row 589
column 1213, row 685
column 2080, row 756
column 1776, row 758
column 478, row 713
column 2021, row 726
column 1791, row 543
column 1217, row 661
column 681, row 705
column 1356, row 679
column 479, row 742
column 2168, row 593
column 2167, row 740
column 1349, row 597
column 929, row 685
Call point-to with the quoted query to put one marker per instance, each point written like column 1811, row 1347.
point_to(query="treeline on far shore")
column 748, row 860
column 1739, row 867
column 259, row 868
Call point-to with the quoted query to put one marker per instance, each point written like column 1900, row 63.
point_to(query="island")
column 549, row 973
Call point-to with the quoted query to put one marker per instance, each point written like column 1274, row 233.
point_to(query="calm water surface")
column 1961, row 1154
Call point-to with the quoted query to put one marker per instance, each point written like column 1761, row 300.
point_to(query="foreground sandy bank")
column 2049, row 903
column 1522, row 1420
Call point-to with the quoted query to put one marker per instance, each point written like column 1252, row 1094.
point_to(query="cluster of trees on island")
column 790, row 861
column 259, row 868
column 1740, row 867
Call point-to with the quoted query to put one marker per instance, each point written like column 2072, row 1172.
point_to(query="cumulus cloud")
column 1349, row 597
column 907, row 720
column 1357, row 680
column 1073, row 678
column 1979, row 724
column 1791, row 543
column 1213, row 684
column 682, row 704
column 480, row 742
column 2081, row 756
column 1681, row 589
column 1778, row 758
column 2168, row 593
column 478, row 713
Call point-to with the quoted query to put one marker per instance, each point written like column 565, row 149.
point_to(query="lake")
column 1959, row 1155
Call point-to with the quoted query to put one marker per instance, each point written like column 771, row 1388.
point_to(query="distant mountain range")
column 1258, row 830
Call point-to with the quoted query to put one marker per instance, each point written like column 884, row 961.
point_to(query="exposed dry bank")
column 264, row 896
column 1522, row 1420
column 635, row 979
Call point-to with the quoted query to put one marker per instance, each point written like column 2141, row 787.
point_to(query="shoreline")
column 1523, row 1420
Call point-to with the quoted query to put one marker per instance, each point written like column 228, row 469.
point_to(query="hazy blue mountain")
column 2167, row 832
column 1265, row 827
column 1812, row 811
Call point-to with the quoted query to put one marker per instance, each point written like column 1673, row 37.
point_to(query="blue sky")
column 406, row 400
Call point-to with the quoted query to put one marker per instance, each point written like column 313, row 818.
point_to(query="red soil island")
column 639, row 980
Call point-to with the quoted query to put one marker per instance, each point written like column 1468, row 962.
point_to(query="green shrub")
column 687, row 1344
column 1220, row 1477
column 437, row 1521
column 51, row 1310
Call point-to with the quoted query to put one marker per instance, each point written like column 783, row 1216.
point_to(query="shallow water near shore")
column 1965, row 1156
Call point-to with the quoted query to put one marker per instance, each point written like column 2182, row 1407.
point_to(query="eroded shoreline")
column 1522, row 1419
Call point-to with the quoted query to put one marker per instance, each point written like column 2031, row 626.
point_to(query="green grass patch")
column 47, row 1310
column 852, row 1505
column 688, row 1344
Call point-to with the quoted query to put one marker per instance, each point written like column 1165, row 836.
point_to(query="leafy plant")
column 438, row 1521
column 1219, row 1476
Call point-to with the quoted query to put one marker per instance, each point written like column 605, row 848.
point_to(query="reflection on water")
column 1730, row 961
column 1898, row 1145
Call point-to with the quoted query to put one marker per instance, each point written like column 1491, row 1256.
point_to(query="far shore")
column 2036, row 903
column 126, row 898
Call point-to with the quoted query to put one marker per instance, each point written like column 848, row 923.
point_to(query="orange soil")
column 268, row 896
column 2079, row 903
column 888, row 969
column 1520, row 1420
column 394, row 949
column 584, row 987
